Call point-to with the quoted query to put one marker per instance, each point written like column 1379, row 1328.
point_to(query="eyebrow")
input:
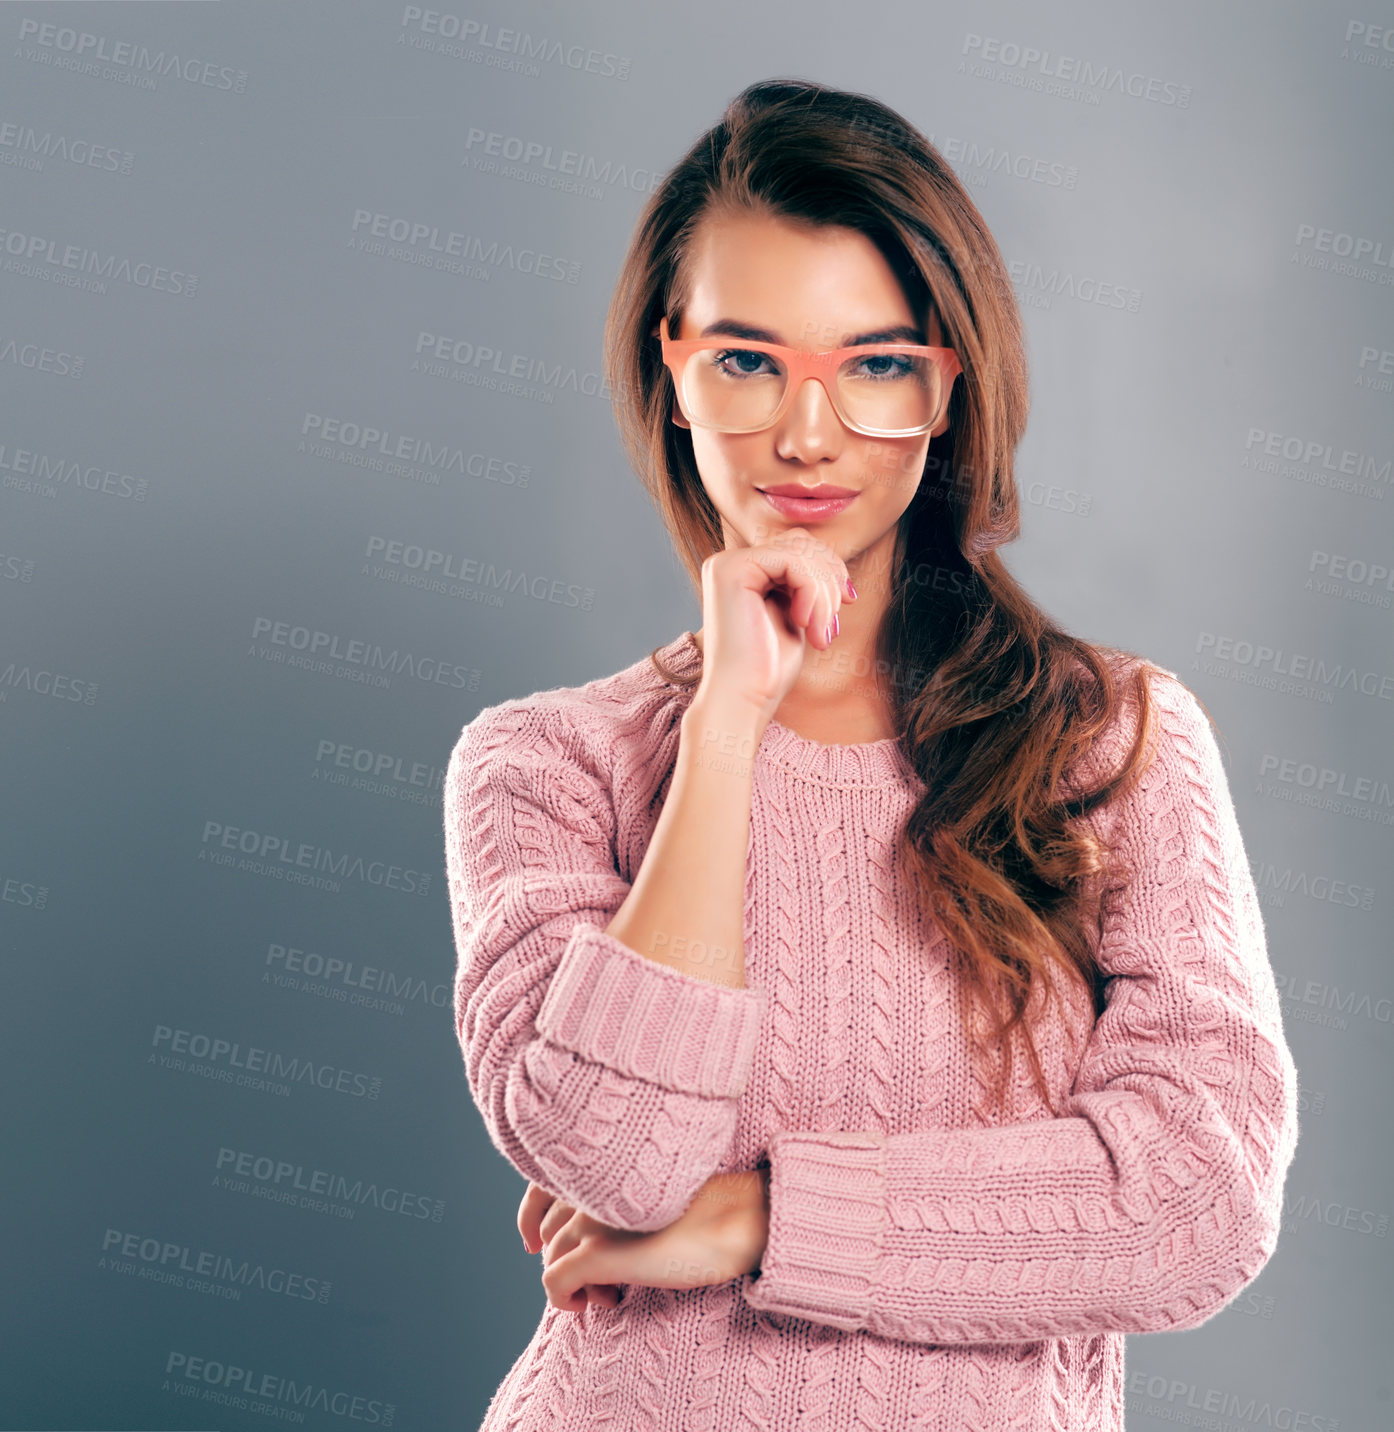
column 900, row 333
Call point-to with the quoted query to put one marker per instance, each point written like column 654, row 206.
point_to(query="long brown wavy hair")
column 993, row 702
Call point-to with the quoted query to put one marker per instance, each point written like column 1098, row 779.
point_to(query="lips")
column 808, row 504
column 795, row 489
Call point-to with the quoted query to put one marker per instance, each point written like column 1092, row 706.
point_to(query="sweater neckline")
column 863, row 763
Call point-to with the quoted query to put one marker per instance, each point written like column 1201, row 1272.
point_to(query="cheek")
column 891, row 471
column 729, row 465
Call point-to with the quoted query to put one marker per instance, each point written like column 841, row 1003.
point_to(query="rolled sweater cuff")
column 827, row 1223
column 613, row 1006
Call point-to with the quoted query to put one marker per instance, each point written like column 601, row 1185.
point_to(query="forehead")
column 808, row 282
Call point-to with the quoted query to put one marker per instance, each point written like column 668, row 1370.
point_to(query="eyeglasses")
column 883, row 390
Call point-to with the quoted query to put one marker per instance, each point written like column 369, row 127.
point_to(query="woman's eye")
column 745, row 360
column 886, row 365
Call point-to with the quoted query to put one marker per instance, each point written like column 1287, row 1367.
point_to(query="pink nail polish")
column 837, row 625
column 828, row 634
column 851, row 590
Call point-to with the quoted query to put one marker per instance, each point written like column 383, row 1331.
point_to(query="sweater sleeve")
column 1155, row 1198
column 609, row 1079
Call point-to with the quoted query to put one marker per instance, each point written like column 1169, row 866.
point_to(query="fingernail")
column 851, row 590
column 828, row 634
column 837, row 625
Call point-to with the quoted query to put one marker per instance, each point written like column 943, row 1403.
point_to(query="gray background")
column 188, row 304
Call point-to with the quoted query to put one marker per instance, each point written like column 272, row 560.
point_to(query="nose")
column 811, row 427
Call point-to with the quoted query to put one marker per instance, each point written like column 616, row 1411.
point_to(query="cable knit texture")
column 927, row 1266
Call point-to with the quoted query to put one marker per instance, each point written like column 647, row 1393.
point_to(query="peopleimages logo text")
column 1274, row 660
column 1075, row 71
column 230, row 1384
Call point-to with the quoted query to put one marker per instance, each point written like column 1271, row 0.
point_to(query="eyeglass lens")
column 740, row 389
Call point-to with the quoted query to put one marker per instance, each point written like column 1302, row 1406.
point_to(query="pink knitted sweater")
column 927, row 1266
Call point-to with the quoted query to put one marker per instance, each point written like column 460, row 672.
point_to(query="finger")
column 824, row 608
column 574, row 1302
column 554, row 1220
column 810, row 609
column 603, row 1295
column 828, row 569
column 820, row 554
column 567, row 1275
column 813, row 574
column 563, row 1241
column 790, row 566
column 564, row 1281
column 834, row 603
column 536, row 1202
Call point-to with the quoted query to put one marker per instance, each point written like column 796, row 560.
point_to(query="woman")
column 871, row 984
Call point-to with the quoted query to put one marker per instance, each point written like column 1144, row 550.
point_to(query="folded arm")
column 1156, row 1197
column 606, row 1077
